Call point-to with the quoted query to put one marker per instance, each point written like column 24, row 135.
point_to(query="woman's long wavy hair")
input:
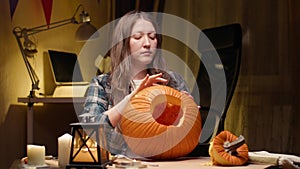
column 121, row 63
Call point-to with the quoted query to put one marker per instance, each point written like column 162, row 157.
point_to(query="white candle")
column 64, row 146
column 36, row 155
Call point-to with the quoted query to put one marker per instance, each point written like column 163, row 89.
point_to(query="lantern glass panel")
column 85, row 146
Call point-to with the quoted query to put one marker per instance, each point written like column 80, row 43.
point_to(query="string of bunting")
column 47, row 7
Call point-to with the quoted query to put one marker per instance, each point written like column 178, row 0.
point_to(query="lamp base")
column 32, row 94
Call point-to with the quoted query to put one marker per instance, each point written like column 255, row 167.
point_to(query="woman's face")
column 143, row 42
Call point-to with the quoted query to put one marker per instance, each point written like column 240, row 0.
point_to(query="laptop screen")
column 65, row 67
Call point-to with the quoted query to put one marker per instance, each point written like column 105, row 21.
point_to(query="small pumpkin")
column 161, row 123
column 227, row 149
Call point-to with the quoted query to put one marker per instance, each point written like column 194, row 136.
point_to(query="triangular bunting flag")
column 13, row 5
column 47, row 6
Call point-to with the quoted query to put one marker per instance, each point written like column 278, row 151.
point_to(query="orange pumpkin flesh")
column 167, row 113
column 161, row 123
column 220, row 156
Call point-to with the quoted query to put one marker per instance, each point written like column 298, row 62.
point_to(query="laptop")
column 67, row 74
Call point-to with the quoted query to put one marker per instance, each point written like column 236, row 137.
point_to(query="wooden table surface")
column 194, row 163
column 184, row 163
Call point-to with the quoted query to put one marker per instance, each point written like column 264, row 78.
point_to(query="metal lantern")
column 88, row 146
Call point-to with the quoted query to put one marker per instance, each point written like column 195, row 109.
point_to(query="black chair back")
column 226, row 44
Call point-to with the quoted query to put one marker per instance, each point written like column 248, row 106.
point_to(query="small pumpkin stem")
column 231, row 147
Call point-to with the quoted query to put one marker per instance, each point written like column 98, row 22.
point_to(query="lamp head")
column 86, row 30
column 84, row 17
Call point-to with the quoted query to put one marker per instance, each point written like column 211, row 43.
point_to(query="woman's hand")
column 150, row 81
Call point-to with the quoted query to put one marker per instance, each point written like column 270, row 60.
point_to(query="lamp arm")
column 32, row 74
column 38, row 29
column 25, row 32
column 31, row 31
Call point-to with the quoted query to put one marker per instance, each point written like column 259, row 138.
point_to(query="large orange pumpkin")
column 229, row 150
column 161, row 123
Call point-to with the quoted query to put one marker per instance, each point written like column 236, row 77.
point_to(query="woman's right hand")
column 150, row 81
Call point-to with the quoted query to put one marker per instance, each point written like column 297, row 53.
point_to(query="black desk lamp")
column 28, row 48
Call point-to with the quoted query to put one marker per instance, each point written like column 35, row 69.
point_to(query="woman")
column 136, row 64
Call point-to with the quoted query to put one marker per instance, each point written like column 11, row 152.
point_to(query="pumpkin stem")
column 231, row 147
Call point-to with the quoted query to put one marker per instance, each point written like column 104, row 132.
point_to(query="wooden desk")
column 200, row 162
column 52, row 100
column 185, row 163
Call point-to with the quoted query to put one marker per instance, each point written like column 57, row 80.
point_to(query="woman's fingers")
column 145, row 80
column 152, row 80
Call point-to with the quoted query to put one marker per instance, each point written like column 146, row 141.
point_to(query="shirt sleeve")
column 97, row 100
